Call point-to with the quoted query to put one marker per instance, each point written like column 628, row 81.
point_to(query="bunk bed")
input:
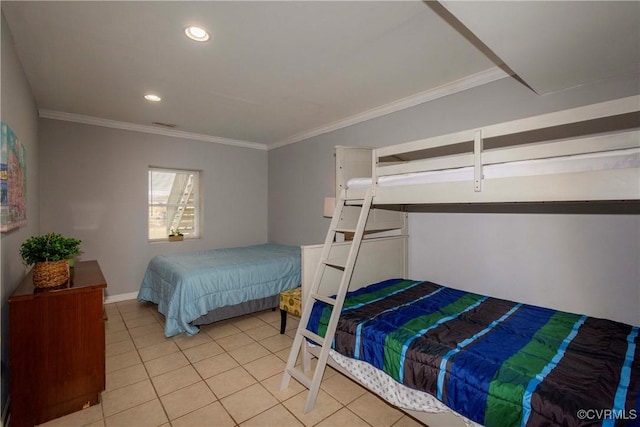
column 585, row 154
column 198, row 288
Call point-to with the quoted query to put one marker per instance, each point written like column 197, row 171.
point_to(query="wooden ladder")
column 346, row 267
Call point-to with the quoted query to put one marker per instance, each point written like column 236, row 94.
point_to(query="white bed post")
column 374, row 171
column 477, row 161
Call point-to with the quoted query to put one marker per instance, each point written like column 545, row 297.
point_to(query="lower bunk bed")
column 427, row 348
column 197, row 288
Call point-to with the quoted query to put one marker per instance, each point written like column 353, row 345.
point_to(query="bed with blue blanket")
column 496, row 362
column 200, row 287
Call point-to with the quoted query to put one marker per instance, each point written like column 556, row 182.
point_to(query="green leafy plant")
column 175, row 232
column 48, row 247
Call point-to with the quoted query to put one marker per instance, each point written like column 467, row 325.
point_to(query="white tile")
column 203, row 351
column 157, row 350
column 342, row 388
column 127, row 397
column 235, row 341
column 276, row 416
column 167, row 363
column 212, row 415
column 248, row 322
column 345, row 418
column 220, row 330
column 249, row 353
column 248, row 402
column 186, row 400
column 185, row 341
column 215, row 365
column 265, row 367
column 116, row 336
column 374, row 410
column 149, row 414
column 119, row 347
column 324, row 407
column 126, row 376
column 121, row 361
column 140, row 331
column 148, row 319
column 277, row 342
column 261, row 332
column 230, row 382
column 175, row 380
column 273, row 385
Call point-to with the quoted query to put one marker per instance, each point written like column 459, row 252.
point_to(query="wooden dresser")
column 57, row 346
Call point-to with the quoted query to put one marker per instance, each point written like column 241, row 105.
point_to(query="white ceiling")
column 278, row 72
column 555, row 45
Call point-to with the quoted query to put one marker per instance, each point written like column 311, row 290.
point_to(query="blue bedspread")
column 187, row 286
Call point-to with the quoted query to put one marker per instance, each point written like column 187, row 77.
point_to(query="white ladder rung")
column 345, row 230
column 336, row 262
column 324, row 298
column 300, row 376
column 312, row 336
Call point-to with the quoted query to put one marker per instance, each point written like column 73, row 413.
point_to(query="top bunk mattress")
column 606, row 160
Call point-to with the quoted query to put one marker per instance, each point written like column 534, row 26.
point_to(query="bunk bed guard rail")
column 581, row 130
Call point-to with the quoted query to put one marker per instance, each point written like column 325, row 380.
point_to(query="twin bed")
column 467, row 358
column 197, row 288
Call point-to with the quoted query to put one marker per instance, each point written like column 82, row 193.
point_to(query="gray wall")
column 94, row 187
column 20, row 113
column 574, row 270
column 573, row 262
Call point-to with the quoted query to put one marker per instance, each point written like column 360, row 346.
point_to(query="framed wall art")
column 13, row 181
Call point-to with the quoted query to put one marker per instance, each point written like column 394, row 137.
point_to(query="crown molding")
column 96, row 121
column 469, row 82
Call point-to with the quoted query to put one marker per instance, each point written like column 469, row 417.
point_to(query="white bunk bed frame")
column 340, row 267
column 614, row 184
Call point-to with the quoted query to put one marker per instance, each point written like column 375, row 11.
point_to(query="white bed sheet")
column 615, row 159
column 393, row 392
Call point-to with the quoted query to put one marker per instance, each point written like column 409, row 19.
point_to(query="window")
column 173, row 202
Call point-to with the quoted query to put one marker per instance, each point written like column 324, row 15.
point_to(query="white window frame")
column 196, row 188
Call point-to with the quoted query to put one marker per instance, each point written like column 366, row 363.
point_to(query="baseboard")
column 120, row 297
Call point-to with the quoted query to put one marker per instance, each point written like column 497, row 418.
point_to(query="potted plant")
column 176, row 236
column 49, row 253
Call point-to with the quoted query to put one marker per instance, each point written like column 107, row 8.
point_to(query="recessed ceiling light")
column 196, row 33
column 151, row 97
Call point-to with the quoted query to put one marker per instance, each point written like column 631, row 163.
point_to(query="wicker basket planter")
column 49, row 254
column 179, row 238
column 50, row 273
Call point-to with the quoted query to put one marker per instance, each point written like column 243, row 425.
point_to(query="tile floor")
column 227, row 375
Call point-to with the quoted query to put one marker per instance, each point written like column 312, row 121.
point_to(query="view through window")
column 173, row 202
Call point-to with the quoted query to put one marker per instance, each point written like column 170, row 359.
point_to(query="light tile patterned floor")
column 227, row 375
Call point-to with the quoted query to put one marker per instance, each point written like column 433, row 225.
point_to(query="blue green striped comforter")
column 497, row 362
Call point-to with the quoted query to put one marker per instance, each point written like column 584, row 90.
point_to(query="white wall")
column 572, row 262
column 20, row 113
column 565, row 262
column 94, row 187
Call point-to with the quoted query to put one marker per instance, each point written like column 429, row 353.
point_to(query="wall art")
column 13, row 181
